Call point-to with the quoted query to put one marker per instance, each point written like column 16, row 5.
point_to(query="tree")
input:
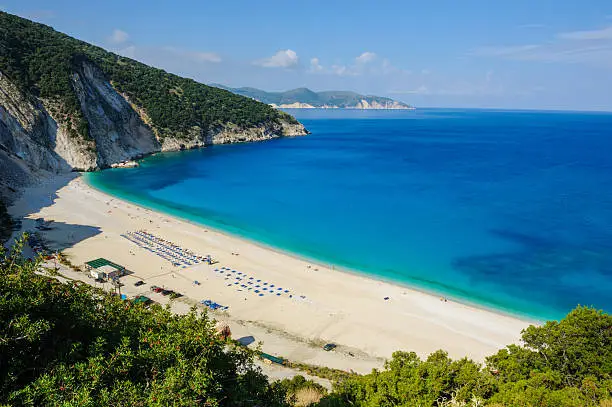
column 561, row 364
column 69, row 343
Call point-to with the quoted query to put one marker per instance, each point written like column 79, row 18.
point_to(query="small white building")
column 104, row 272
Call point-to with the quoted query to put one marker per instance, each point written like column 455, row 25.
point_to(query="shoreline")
column 346, row 308
column 532, row 319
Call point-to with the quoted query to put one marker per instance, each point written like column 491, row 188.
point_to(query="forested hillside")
column 41, row 61
column 71, row 344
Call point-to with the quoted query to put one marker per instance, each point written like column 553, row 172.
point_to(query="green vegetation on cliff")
column 71, row 344
column 42, row 62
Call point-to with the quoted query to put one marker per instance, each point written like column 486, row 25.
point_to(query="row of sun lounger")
column 243, row 282
column 167, row 250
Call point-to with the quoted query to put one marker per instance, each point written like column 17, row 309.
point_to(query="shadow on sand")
column 246, row 340
column 55, row 235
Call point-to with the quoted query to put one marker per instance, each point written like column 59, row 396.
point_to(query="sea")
column 508, row 210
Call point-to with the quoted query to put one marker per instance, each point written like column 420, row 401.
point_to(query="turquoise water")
column 509, row 210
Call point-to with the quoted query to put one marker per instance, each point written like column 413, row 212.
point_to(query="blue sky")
column 516, row 54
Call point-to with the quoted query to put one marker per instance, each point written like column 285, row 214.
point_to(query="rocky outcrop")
column 376, row 105
column 295, row 105
column 117, row 130
column 27, row 131
column 230, row 133
column 126, row 164
column 363, row 104
column 34, row 134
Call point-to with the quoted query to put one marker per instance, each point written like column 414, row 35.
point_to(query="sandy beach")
column 317, row 304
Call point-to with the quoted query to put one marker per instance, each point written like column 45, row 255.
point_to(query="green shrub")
column 72, row 344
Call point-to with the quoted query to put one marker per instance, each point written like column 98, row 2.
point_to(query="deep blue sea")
column 511, row 210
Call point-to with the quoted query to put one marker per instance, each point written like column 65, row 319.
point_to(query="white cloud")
column 195, row 56
column 503, row 50
column 387, row 67
column 129, row 52
column 592, row 47
column 341, row 70
column 367, row 63
column 553, row 52
column 425, row 72
column 485, row 86
column 118, row 36
column 603, row 34
column 421, row 90
column 38, row 14
column 457, row 89
column 282, row 59
column 365, row 58
column 206, row 57
column 315, row 65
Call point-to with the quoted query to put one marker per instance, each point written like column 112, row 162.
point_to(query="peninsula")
column 304, row 98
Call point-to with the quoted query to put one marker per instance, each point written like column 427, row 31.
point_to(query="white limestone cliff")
column 32, row 134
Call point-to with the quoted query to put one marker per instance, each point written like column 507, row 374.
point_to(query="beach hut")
column 102, row 265
column 107, row 271
column 97, row 275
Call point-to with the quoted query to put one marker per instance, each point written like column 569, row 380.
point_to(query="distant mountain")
column 304, row 98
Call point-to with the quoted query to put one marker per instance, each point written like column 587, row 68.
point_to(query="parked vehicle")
column 329, row 346
column 139, row 283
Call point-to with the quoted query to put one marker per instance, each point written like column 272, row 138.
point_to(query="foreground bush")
column 71, row 344
column 74, row 345
column 301, row 392
column 566, row 363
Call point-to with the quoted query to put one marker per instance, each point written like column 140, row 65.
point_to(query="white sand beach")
column 326, row 305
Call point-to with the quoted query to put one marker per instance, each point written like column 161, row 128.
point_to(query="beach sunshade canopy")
column 97, row 263
column 273, row 359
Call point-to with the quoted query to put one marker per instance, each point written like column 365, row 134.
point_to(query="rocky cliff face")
column 117, row 130
column 31, row 136
column 230, row 133
column 362, row 104
column 27, row 131
column 376, row 105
